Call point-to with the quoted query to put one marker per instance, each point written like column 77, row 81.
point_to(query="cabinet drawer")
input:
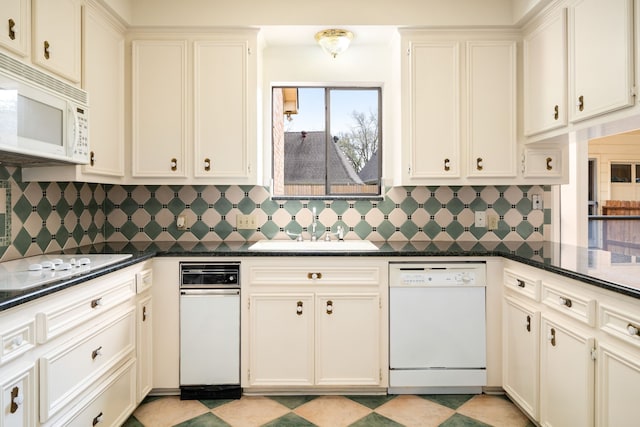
column 144, row 280
column 71, row 368
column 315, row 274
column 579, row 307
column 111, row 403
column 523, row 285
column 620, row 324
column 65, row 316
column 16, row 339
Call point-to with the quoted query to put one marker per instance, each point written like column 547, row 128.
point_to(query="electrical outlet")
column 245, row 222
column 492, row 222
column 181, row 222
column 481, row 219
column 536, row 202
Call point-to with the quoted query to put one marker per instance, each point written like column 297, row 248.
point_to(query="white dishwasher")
column 437, row 328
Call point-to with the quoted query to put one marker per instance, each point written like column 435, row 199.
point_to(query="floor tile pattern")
column 331, row 411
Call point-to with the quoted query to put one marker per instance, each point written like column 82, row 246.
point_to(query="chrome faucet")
column 314, row 224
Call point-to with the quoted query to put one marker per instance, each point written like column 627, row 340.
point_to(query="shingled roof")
column 304, row 154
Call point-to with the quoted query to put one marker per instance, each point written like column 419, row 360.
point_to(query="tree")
column 361, row 142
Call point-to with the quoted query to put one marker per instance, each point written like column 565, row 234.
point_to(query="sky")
column 310, row 115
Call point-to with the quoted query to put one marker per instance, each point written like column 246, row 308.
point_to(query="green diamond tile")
column 547, row 216
column 199, row 229
column 269, row 229
column 43, row 239
column 223, row 229
column 152, row 229
column 78, row 233
column 269, row 206
column 318, row 204
column 386, row 229
column 501, row 206
column 78, row 207
column 409, row 229
column 502, row 230
column 223, row 206
column 455, row 206
column 132, row 422
column 199, row 206
column 375, row 420
column 339, row 206
column 93, row 231
column 409, row 205
column 152, row 206
column 431, row 229
column 246, row 234
column 294, row 227
column 289, row 420
column 459, row 420
column 452, row 401
column 22, row 241
column 363, row 206
column 478, row 205
column 246, row 205
column 432, row 205
column 108, row 230
column 205, row 420
column 129, row 206
column 292, row 402
column 477, row 232
column 524, row 206
column 4, row 173
column 455, row 229
column 44, row 208
column 129, row 230
column 176, row 206
column 386, row 206
column 292, row 206
column 213, row 403
column 22, row 208
column 524, row 229
column 362, row 229
column 373, row 401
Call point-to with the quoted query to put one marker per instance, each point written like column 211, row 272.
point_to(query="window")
column 326, row 141
column 620, row 172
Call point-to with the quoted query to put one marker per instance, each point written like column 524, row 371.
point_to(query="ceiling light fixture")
column 334, row 41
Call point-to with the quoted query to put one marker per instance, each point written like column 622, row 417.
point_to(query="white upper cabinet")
column 545, row 74
column 194, row 108
column 57, row 36
column 491, row 108
column 432, row 105
column 159, row 104
column 222, row 108
column 14, row 26
column 459, row 107
column 600, row 57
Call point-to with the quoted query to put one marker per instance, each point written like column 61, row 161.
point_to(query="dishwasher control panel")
column 437, row 274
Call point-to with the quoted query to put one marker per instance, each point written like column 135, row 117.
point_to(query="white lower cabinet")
column 18, row 398
column 618, row 385
column 567, row 370
column 521, row 344
column 318, row 325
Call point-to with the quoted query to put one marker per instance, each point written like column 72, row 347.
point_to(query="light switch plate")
column 481, row 219
column 246, row 222
column 536, row 202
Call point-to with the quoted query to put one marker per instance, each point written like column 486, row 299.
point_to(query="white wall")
column 364, row 66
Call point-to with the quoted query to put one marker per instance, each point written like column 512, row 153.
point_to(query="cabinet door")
column 281, row 339
column 567, row 373
column 14, row 26
column 348, row 339
column 520, row 373
column 221, row 117
column 432, row 110
column 618, row 387
column 104, row 62
column 545, row 65
column 543, row 162
column 159, row 116
column 18, row 400
column 144, row 347
column 601, row 57
column 57, row 36
column 491, row 108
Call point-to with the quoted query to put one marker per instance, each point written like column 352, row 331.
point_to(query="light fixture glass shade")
column 334, row 41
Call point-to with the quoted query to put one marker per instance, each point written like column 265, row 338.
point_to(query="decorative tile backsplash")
column 45, row 217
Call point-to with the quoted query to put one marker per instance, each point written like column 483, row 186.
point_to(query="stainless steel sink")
column 308, row 246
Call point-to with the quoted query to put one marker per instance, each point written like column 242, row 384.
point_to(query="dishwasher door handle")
column 200, row 292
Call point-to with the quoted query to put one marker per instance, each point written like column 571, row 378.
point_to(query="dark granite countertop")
column 614, row 272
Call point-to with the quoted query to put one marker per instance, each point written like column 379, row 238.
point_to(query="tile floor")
column 331, row 411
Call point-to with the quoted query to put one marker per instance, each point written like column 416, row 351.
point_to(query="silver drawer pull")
column 314, row 276
column 299, row 308
column 565, row 301
column 633, row 330
column 96, row 302
column 97, row 420
column 16, row 400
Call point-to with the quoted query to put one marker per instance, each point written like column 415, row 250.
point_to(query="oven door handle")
column 200, row 292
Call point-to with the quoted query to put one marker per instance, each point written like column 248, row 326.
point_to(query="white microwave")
column 43, row 121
